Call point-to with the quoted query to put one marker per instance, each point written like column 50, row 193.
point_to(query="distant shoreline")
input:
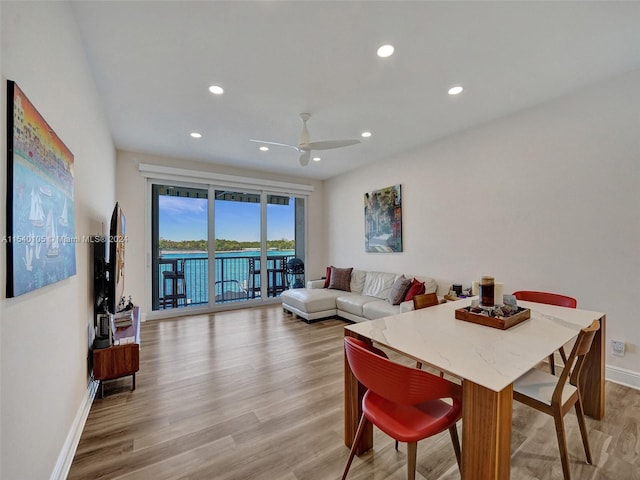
column 244, row 250
column 163, row 252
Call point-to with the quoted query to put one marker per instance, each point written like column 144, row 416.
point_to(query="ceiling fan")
column 305, row 146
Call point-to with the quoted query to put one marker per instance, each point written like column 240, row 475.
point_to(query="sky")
column 186, row 219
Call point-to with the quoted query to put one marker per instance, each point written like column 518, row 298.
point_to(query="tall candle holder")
column 487, row 291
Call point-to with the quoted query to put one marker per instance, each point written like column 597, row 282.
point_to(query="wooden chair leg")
column 453, row 431
column 412, row 453
column 361, row 428
column 563, row 354
column 583, row 431
column 562, row 443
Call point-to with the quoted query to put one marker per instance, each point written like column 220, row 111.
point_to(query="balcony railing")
column 237, row 279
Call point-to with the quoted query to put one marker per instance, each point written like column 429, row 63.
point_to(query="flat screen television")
column 117, row 242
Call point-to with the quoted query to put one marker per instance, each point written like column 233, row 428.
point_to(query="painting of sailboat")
column 40, row 209
column 36, row 214
column 64, row 215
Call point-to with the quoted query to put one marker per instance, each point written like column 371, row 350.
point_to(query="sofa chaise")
column 364, row 296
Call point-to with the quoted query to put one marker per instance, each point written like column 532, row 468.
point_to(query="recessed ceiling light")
column 196, row 135
column 456, row 90
column 385, row 51
column 264, row 149
column 365, row 134
column 316, row 159
column 216, row 90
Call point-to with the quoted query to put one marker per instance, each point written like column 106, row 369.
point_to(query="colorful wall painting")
column 383, row 220
column 40, row 211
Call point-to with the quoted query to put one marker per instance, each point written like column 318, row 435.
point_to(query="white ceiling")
column 154, row 61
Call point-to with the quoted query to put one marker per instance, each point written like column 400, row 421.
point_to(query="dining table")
column 486, row 361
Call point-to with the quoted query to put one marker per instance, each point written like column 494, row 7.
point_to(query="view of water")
column 231, row 271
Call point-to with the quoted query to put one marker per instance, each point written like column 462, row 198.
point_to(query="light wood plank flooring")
column 257, row 394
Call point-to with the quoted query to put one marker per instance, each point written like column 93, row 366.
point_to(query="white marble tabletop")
column 487, row 356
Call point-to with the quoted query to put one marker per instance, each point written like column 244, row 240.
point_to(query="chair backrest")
column 574, row 362
column 425, row 300
column 546, row 297
column 395, row 382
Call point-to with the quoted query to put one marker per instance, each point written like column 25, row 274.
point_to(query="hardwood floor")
column 257, row 394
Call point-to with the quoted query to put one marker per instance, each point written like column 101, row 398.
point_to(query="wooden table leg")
column 353, row 393
column 592, row 376
column 486, row 432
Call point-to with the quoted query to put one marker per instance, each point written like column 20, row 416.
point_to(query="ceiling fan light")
column 385, row 51
column 456, row 90
column 216, row 90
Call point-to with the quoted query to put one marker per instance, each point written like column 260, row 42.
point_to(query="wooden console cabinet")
column 119, row 360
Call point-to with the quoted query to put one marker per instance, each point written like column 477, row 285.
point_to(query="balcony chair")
column 554, row 396
column 549, row 299
column 174, row 288
column 277, row 277
column 403, row 402
column 254, row 273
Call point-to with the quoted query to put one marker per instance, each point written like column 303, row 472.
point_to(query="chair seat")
column 539, row 385
column 410, row 423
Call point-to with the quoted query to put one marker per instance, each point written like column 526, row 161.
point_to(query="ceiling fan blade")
column 275, row 143
column 304, row 158
column 328, row 144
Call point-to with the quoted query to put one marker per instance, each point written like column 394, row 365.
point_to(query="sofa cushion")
column 353, row 303
column 357, row 280
column 378, row 284
column 379, row 309
column 311, row 299
column 399, row 290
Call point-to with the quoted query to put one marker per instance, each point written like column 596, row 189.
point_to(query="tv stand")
column 121, row 360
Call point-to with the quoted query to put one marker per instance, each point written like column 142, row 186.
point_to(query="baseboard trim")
column 63, row 465
column 628, row 378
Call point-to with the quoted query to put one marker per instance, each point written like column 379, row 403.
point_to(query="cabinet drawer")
column 116, row 361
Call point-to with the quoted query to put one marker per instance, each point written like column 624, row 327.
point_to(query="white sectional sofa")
column 367, row 300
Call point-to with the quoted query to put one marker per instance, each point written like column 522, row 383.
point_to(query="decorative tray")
column 468, row 314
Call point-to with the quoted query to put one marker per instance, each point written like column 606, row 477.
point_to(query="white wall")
column 547, row 199
column 131, row 189
column 44, row 333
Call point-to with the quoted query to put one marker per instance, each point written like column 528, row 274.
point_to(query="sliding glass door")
column 179, row 246
column 220, row 246
column 237, row 245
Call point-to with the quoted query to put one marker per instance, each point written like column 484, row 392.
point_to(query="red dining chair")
column 549, row 299
column 555, row 396
column 403, row 402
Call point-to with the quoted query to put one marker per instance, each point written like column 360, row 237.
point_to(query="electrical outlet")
column 617, row 348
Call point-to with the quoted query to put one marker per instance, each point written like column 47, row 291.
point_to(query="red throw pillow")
column 416, row 288
column 327, row 278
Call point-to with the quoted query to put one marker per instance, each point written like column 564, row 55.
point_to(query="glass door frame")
column 208, row 183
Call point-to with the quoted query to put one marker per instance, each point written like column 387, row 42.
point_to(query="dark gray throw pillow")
column 399, row 290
